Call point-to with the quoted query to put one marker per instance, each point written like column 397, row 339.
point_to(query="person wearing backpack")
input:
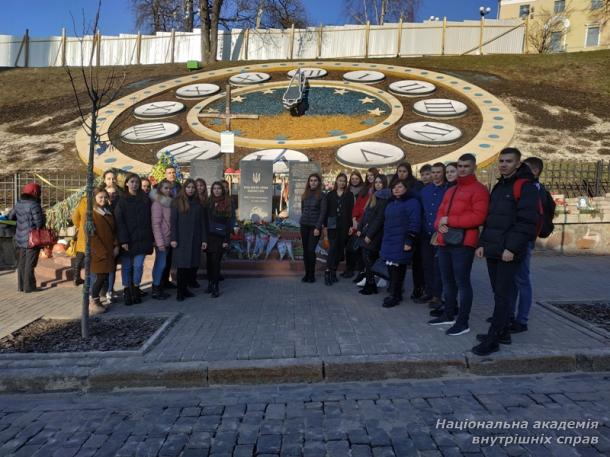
column 523, row 303
column 511, row 224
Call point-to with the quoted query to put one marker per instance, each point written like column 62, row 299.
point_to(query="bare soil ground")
column 562, row 104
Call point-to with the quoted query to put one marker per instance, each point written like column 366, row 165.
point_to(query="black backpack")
column 548, row 207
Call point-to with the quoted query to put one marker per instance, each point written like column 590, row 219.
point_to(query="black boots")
column 327, row 280
column 210, row 287
column 369, row 288
column 158, row 293
column 127, row 296
column 136, row 295
column 215, row 289
column 503, row 337
column 490, row 343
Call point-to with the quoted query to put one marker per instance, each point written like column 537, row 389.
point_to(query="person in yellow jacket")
column 79, row 216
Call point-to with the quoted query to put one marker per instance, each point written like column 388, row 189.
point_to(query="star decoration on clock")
column 238, row 99
column 212, row 110
column 269, row 91
column 366, row 100
column 340, row 91
column 376, row 112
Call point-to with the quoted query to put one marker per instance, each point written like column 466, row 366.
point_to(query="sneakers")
column 442, row 320
column 518, row 327
column 457, row 329
column 361, row 283
column 96, row 307
column 359, row 277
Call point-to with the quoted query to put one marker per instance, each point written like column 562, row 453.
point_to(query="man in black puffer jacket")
column 510, row 225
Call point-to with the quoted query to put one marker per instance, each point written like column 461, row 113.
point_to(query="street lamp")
column 484, row 11
column 434, row 18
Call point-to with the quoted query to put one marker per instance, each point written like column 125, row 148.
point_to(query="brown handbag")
column 41, row 237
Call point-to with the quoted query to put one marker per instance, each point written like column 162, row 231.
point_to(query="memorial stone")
column 255, row 190
column 210, row 170
column 297, row 181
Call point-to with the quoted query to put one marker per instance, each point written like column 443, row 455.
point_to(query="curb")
column 133, row 373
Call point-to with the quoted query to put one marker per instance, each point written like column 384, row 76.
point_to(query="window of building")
column 556, row 42
column 524, row 11
column 560, row 6
column 597, row 4
column 592, row 36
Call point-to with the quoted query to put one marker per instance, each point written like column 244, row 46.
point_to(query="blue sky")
column 47, row 17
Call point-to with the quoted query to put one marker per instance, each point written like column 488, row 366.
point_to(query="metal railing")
column 56, row 185
column 570, row 178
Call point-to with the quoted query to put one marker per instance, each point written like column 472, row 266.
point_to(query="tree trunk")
column 89, row 222
column 214, row 17
column 189, row 15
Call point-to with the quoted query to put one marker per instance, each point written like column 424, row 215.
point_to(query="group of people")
column 436, row 225
column 177, row 221
column 379, row 225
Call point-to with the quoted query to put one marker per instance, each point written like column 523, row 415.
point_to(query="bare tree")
column 545, row 27
column 210, row 16
column 381, row 11
column 188, row 15
column 92, row 92
column 267, row 14
column 601, row 14
column 161, row 15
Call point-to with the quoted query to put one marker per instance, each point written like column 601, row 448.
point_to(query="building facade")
column 561, row 25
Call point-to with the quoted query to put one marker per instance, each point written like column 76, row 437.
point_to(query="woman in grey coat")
column 29, row 215
column 188, row 232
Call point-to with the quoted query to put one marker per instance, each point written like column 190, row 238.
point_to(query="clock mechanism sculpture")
column 349, row 114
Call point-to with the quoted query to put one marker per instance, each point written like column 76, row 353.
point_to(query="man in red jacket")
column 462, row 211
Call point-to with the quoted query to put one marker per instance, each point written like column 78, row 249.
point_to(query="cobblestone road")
column 396, row 418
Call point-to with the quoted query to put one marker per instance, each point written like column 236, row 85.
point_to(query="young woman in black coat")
column 370, row 231
column 187, row 237
column 219, row 214
column 134, row 232
column 337, row 216
column 311, row 224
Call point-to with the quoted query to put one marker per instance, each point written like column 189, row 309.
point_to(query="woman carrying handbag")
column 29, row 216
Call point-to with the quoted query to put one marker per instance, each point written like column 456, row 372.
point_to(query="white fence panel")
column 420, row 39
column 187, row 47
column 383, row 40
column 118, row 50
column 78, row 52
column 511, row 43
column 305, row 43
column 267, row 44
column 44, row 52
column 459, row 38
column 9, row 48
column 156, row 49
column 346, row 41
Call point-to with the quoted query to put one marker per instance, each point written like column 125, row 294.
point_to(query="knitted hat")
column 32, row 189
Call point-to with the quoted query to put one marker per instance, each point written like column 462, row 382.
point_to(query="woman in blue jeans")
column 134, row 232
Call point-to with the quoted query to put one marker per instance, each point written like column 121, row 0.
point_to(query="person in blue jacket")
column 400, row 231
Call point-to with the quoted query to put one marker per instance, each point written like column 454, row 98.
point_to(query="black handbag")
column 353, row 244
column 380, row 268
column 454, row 236
column 219, row 229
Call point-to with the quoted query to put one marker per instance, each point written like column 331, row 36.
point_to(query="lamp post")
column 483, row 11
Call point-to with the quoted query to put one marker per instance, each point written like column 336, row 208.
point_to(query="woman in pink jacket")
column 160, row 215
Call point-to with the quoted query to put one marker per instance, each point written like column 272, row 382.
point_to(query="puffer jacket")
column 311, row 211
column 511, row 224
column 161, row 213
column 402, row 225
column 133, row 222
column 371, row 224
column 29, row 215
column 468, row 210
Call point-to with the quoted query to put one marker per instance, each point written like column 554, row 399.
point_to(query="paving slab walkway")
column 281, row 321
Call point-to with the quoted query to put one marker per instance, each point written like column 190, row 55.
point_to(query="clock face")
column 354, row 115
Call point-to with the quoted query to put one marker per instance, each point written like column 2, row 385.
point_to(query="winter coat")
column 29, row 215
column 431, row 199
column 188, row 230
column 79, row 217
column 360, row 205
column 311, row 211
column 161, row 213
column 511, row 224
column 371, row 224
column 103, row 242
column 468, row 210
column 339, row 207
column 133, row 221
column 214, row 240
column 402, row 225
